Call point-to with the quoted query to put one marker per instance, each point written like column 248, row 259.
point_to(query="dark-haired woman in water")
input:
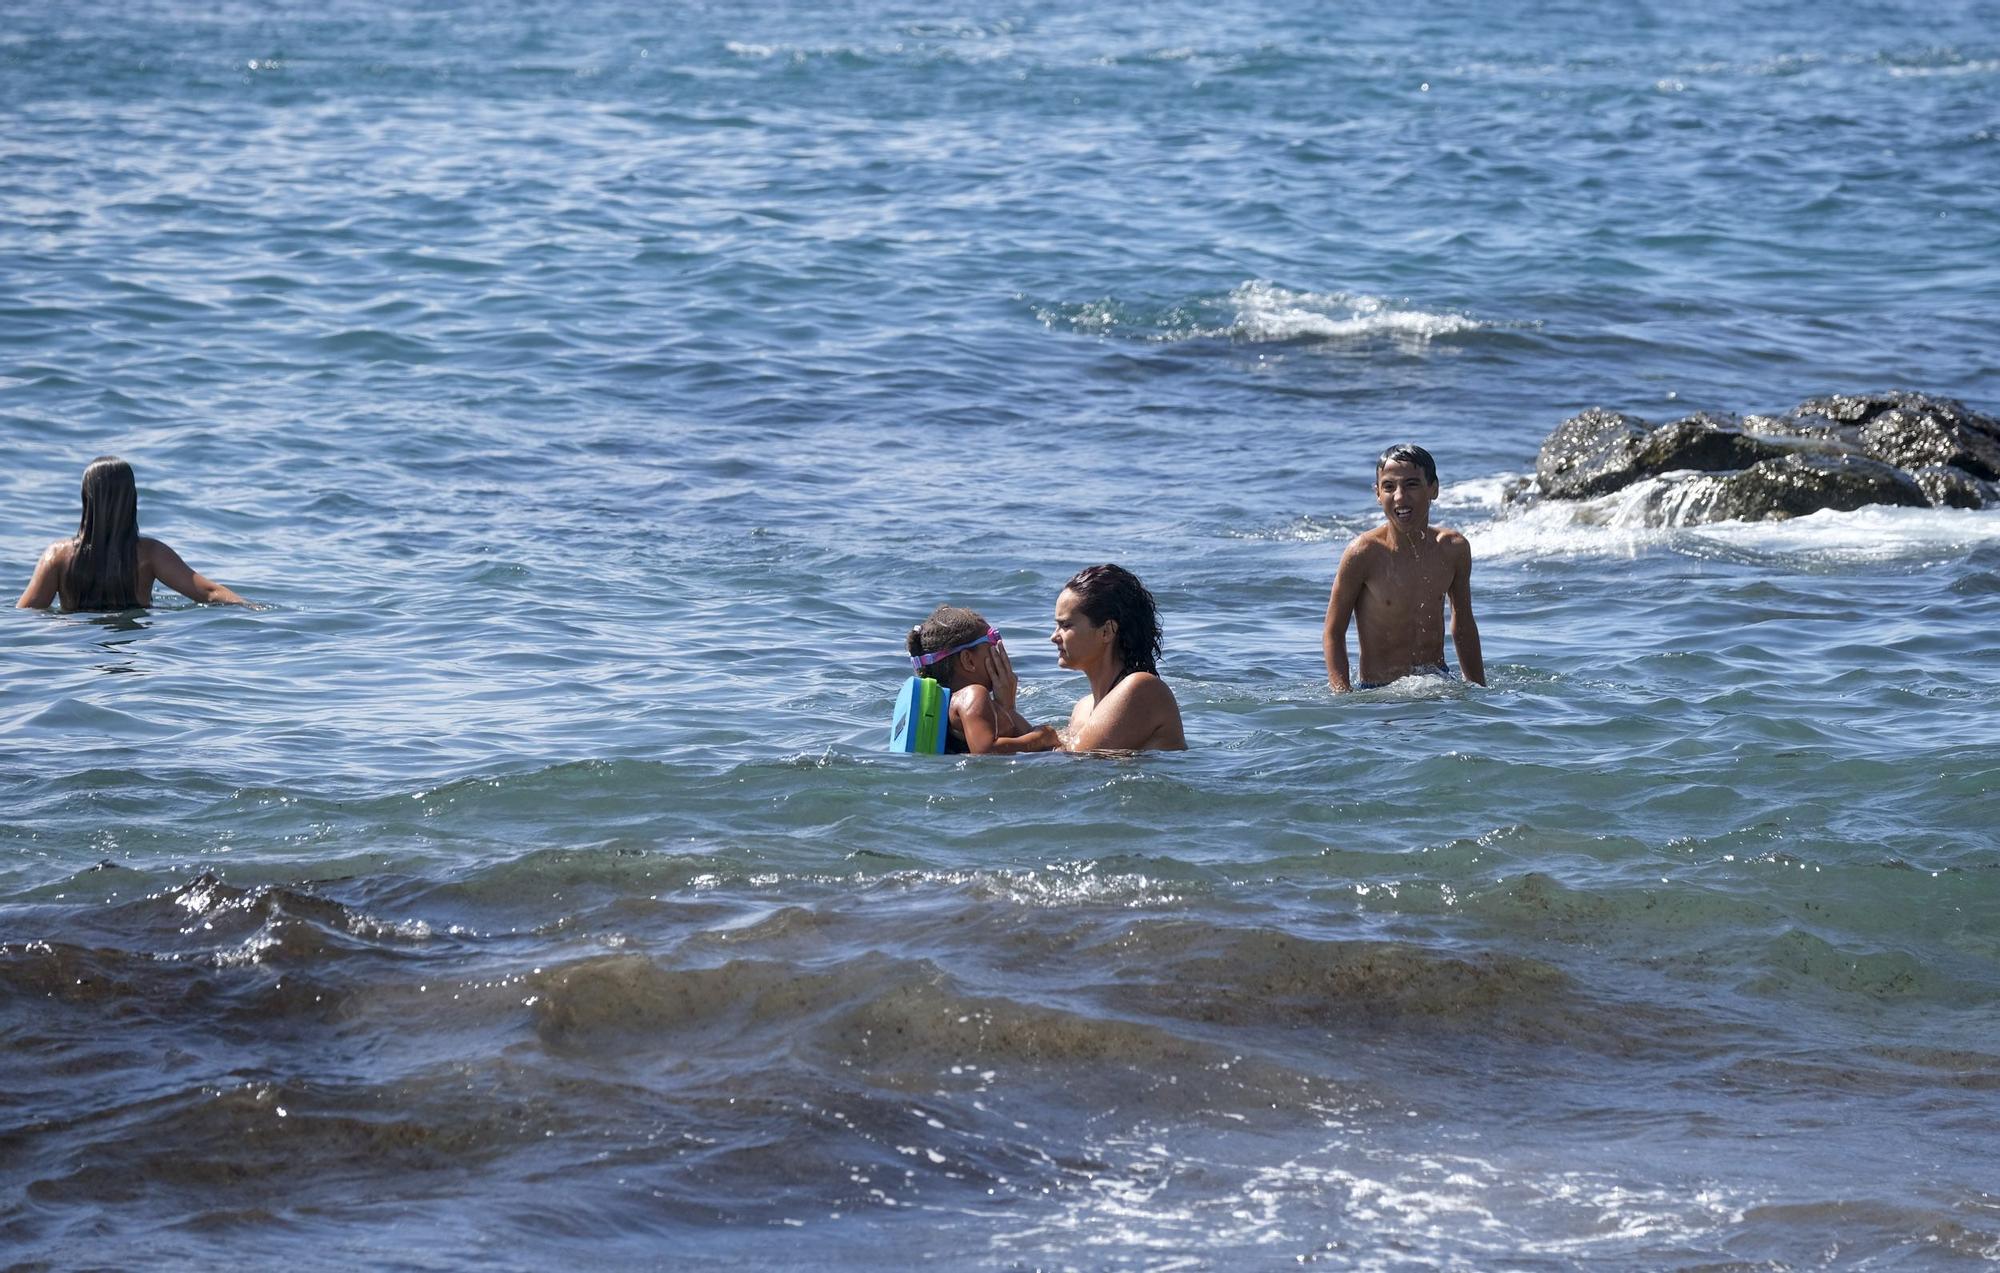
column 1107, row 628
column 108, row 565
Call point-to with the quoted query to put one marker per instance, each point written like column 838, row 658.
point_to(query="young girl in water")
column 108, row 564
column 962, row 652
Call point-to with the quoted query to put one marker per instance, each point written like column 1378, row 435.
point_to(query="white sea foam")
column 1550, row 529
column 1478, row 493
column 1875, row 533
column 1984, row 66
column 1139, row 1200
column 1615, row 525
column 1267, row 312
column 1260, row 312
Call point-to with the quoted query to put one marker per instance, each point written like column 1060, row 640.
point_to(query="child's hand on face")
column 1005, row 684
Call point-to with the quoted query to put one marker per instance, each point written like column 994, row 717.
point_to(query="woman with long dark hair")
column 108, row 564
column 1108, row 628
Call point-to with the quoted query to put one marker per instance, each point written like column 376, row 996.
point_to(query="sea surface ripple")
column 590, row 395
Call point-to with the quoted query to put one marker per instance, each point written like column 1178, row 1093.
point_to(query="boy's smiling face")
column 1405, row 495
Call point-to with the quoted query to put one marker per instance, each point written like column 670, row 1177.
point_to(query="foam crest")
column 1617, row 525
column 1981, row 66
column 275, row 923
column 1260, row 312
column 1560, row 1215
column 1875, row 533
column 1589, row 528
column 1267, row 312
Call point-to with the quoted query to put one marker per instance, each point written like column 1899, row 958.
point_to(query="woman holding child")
column 1106, row 628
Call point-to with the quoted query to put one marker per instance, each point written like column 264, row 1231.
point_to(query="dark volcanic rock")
column 1590, row 454
column 1850, row 408
column 1947, row 487
column 1860, row 408
column 1911, row 438
column 1840, row 451
column 1790, row 486
column 1601, row 451
column 1807, row 432
column 1707, row 443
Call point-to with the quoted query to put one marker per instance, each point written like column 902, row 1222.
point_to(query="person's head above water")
column 106, row 565
column 1405, row 485
column 1408, row 453
column 945, row 646
column 110, row 503
column 1118, row 610
column 103, row 570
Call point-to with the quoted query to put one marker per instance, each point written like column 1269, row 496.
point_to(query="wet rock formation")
column 1840, row 451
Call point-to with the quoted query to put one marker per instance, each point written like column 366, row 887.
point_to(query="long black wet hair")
column 103, row 570
column 947, row 626
column 1112, row 592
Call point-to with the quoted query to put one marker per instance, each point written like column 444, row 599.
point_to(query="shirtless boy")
column 1393, row 581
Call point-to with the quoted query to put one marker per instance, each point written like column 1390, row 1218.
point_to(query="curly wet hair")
column 1109, row 592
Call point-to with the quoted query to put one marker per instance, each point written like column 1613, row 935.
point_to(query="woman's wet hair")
column 1409, row 453
column 1112, row 592
column 947, row 626
column 103, row 570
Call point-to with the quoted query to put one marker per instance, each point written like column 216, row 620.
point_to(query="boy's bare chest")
column 1408, row 580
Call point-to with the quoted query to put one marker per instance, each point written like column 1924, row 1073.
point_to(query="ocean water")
column 591, row 395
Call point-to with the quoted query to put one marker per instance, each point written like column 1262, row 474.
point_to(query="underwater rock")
column 1836, row 451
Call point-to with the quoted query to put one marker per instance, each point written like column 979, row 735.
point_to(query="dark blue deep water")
column 592, row 393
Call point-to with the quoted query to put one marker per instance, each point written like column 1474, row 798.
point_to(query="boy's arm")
column 1347, row 582
column 1464, row 628
column 42, row 585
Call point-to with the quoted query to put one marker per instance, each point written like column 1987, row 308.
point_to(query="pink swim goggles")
column 921, row 661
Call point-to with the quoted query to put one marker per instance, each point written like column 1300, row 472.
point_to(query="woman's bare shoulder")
column 1145, row 687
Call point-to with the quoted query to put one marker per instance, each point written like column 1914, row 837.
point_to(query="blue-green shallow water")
column 594, row 392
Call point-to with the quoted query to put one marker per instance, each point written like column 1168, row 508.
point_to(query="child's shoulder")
column 1453, row 540
column 969, row 697
column 1368, row 543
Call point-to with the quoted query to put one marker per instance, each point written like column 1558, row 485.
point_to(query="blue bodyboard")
column 922, row 722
